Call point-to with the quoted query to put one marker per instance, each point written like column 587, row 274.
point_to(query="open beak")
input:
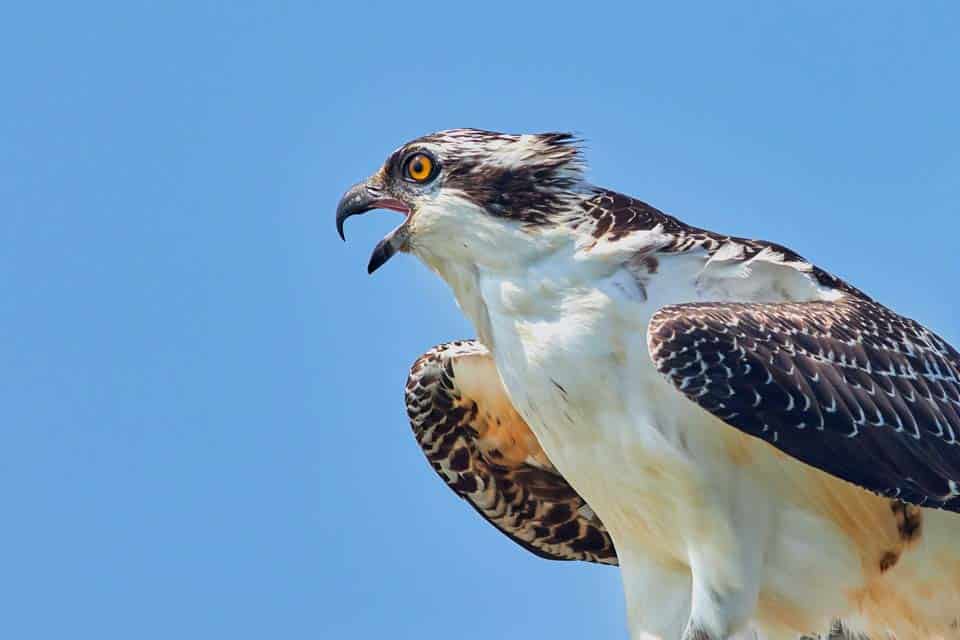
column 361, row 198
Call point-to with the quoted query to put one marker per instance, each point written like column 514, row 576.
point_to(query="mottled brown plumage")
column 849, row 387
column 483, row 450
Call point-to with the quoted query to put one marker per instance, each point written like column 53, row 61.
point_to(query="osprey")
column 765, row 446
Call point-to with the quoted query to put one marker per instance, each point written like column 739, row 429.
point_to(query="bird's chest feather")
column 566, row 349
column 574, row 361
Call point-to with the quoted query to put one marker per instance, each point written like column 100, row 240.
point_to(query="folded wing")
column 479, row 445
column 848, row 387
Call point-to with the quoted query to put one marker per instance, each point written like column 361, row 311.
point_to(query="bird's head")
column 471, row 196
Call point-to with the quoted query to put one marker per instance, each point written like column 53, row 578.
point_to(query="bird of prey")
column 767, row 447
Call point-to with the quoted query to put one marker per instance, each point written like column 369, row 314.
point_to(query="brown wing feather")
column 476, row 441
column 848, row 387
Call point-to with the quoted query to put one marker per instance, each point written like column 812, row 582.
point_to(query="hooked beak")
column 361, row 198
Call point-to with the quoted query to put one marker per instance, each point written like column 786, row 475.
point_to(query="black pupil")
column 417, row 166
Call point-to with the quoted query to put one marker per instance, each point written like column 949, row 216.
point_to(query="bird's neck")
column 464, row 280
column 533, row 284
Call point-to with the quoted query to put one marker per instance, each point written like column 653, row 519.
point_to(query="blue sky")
column 201, row 417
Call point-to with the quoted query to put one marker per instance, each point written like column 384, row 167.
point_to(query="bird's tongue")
column 392, row 205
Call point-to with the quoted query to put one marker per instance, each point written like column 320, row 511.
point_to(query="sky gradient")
column 201, row 409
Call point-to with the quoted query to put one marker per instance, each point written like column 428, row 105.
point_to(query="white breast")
column 573, row 357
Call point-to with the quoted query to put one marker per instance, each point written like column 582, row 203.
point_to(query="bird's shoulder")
column 610, row 218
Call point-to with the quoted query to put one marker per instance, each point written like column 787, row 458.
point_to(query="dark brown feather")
column 484, row 452
column 848, row 387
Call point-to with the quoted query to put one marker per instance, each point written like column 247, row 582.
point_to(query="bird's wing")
column 476, row 441
column 848, row 387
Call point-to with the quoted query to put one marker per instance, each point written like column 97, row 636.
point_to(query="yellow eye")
column 419, row 167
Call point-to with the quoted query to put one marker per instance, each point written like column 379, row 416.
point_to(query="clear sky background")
column 202, row 432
